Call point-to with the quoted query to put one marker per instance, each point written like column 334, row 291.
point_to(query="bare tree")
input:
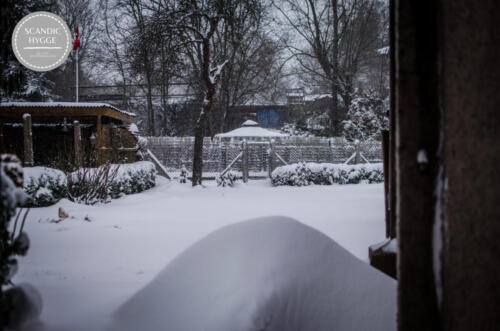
column 253, row 68
column 200, row 25
column 111, row 52
column 141, row 51
column 200, row 21
column 334, row 38
column 84, row 14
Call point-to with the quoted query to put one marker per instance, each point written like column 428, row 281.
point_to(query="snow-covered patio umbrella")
column 250, row 130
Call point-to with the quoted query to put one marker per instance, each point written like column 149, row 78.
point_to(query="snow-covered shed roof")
column 13, row 110
column 250, row 129
column 250, row 123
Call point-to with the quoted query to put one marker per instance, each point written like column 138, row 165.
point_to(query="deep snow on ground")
column 270, row 273
column 85, row 270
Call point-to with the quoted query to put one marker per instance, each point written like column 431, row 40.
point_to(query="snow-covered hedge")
column 92, row 185
column 301, row 174
column 133, row 178
column 46, row 186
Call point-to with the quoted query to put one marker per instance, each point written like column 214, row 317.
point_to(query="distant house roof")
column 250, row 128
column 314, row 97
column 15, row 110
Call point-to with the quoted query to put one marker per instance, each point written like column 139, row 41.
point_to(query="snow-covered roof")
column 250, row 131
column 250, row 123
column 314, row 97
column 65, row 104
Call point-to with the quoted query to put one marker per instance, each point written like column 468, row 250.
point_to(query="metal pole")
column 77, row 75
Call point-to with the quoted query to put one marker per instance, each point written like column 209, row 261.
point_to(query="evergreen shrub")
column 302, row 174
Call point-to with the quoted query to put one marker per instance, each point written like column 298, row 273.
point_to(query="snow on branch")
column 214, row 73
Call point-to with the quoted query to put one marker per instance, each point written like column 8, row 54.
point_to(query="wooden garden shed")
column 89, row 134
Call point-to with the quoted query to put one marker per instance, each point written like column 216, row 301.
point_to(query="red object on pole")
column 76, row 43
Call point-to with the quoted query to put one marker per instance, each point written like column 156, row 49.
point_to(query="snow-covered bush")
column 91, row 185
column 228, row 179
column 183, row 176
column 133, row 178
column 368, row 114
column 111, row 181
column 46, row 186
column 18, row 304
column 301, row 174
column 292, row 129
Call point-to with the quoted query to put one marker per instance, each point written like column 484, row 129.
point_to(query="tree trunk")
column 151, row 121
column 199, row 133
column 334, row 111
column 164, row 91
column 198, row 150
column 224, row 114
column 164, row 104
column 334, row 116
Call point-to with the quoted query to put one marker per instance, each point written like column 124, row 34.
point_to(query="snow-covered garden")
column 261, row 227
column 88, row 265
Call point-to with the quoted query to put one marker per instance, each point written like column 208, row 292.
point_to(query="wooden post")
column 78, row 144
column 385, row 155
column 469, row 185
column 271, row 157
column 28, row 141
column 244, row 160
column 381, row 258
column 99, row 139
column 2, row 148
column 356, row 151
column 392, row 124
column 418, row 123
column 224, row 155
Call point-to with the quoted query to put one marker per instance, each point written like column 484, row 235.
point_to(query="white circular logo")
column 41, row 41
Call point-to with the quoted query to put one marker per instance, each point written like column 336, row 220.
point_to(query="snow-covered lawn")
column 86, row 269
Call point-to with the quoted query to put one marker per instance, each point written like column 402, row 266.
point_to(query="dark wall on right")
column 447, row 124
column 470, row 52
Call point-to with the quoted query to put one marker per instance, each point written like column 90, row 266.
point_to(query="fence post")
column 99, row 140
column 78, row 143
column 244, row 160
column 224, row 155
column 271, row 156
column 357, row 144
column 28, row 141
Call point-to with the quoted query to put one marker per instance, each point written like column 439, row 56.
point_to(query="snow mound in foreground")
column 270, row 273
